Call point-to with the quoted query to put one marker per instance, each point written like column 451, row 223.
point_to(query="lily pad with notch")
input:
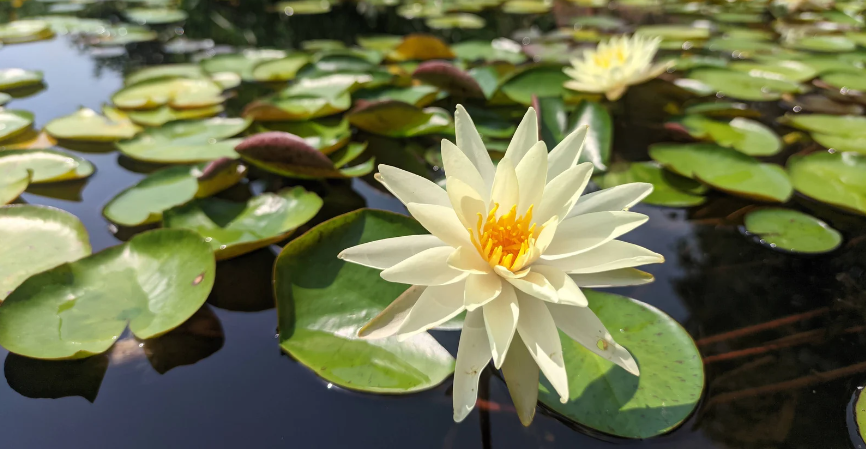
column 89, row 126
column 326, row 135
column 43, row 165
column 744, row 86
column 186, row 141
column 833, row 178
column 669, row 189
column 179, row 93
column 792, row 231
column 14, row 123
column 291, row 156
column 399, row 119
column 11, row 79
column 742, row 134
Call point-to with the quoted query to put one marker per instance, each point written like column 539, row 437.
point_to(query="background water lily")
column 512, row 245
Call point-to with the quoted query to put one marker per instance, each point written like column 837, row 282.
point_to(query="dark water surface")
column 221, row 380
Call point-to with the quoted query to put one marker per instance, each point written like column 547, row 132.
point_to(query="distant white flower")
column 614, row 65
column 512, row 245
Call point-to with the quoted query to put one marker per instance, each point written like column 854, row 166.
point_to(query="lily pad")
column 606, row 398
column 303, row 7
column 846, row 80
column 792, row 231
column 669, row 189
column 541, row 81
column 162, row 115
column 80, row 308
column 326, row 135
column 420, row 47
column 291, row 156
column 155, row 16
column 164, row 71
column 11, row 187
column 178, row 93
column 789, row 70
column 4, row 98
column 860, row 415
column 501, row 49
column 241, row 63
column 832, row 178
column 20, row 31
column 186, row 141
column 839, row 125
column 674, row 32
column 145, row 202
column 278, row 70
column 382, row 43
column 830, row 44
column 17, row 78
column 313, row 286
column 461, row 21
column 233, row 229
column 743, row 86
column 526, row 6
column 448, row 78
column 13, row 123
column 44, row 166
column 419, row 95
column 725, row 169
column 87, row 125
column 398, row 119
column 556, row 125
column 742, row 134
column 37, row 238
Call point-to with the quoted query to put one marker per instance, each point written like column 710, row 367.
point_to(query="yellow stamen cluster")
column 506, row 240
column 609, row 56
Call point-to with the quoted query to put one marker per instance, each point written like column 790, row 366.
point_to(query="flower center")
column 506, row 240
column 610, row 57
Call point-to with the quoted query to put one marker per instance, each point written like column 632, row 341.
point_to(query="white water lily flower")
column 512, row 245
column 614, row 65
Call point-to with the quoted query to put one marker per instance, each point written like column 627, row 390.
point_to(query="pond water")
column 221, row 379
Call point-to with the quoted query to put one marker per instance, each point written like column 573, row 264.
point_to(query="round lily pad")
column 795, row 71
column 17, row 78
column 742, row 134
column 540, row 81
column 12, row 186
column 501, row 49
column 744, row 86
column 674, row 32
column 145, row 202
column 186, row 141
column 669, row 189
column 37, row 238
column 155, row 16
column 4, row 98
column 291, row 156
column 846, row 80
column 13, row 123
column 43, row 165
column 326, row 135
column 79, row 309
column 178, row 93
column 832, row 178
column 313, row 287
column 606, row 398
column 461, row 21
column 725, row 169
column 526, row 7
column 87, row 125
column 840, row 125
column 419, row 95
column 162, row 115
column 383, row 42
column 420, row 47
column 234, row 229
column 241, row 63
column 164, row 71
column 303, row 7
column 792, row 231
column 860, row 414
column 830, row 44
column 398, row 119
column 278, row 70
column 20, row 31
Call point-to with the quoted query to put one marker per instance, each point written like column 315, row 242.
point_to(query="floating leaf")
column 791, row 230
column 382, row 43
column 303, row 7
column 846, row 81
column 155, row 16
column 325, row 135
column 830, row 44
column 674, row 32
column 789, row 70
column 17, row 78
column 178, row 93
column 80, row 308
column 145, row 202
column 86, row 125
column 186, row 141
column 162, row 115
column 606, row 398
column 241, row 63
column 725, row 169
column 278, row 70
column 37, row 238
column 832, row 178
column 743, row 86
column 599, row 136
column 234, row 229
column 43, row 165
column 694, row 61
column 419, row 95
column 289, row 155
column 313, row 286
column 448, row 78
column 526, row 7
column 541, row 81
column 164, row 71
column 123, row 34
column 721, row 109
column 744, row 135
column 4, row 98
column 462, row 21
column 501, row 49
column 20, row 31
column 840, row 125
column 669, row 189
column 398, row 119
column 860, row 414
column 421, row 47
column 12, row 186
column 13, row 123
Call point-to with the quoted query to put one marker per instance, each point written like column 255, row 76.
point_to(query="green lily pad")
column 842, row 143
column 419, row 95
column 11, row 187
column 326, row 135
column 669, row 189
column 178, row 93
column 291, row 156
column 501, row 49
column 20, row 31
column 155, row 16
column 694, row 61
column 461, row 21
column 37, row 238
column 145, row 202
column 186, row 141
column 313, row 287
column 164, row 71
column 721, row 109
column 789, row 70
column 743, row 86
column 303, row 7
column 44, row 166
column 792, row 231
column 123, row 34
column 541, row 81
column 555, row 126
column 278, row 70
column 830, row 44
column 832, row 178
column 526, row 6
column 13, row 123
column 87, row 125
column 725, row 169
column 80, row 308
column 242, row 63
column 382, row 43
column 674, row 32
column 846, row 80
column 233, row 229
column 420, row 47
column 742, row 134
column 398, row 119
column 4, row 98
column 743, row 47
column 309, row 98
column 839, row 125
column 860, row 414
column 16, row 78
column 162, row 115
column 606, row 398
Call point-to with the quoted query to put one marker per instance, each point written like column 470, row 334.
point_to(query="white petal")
column 581, row 324
column 457, row 165
column 531, row 177
column 567, row 153
column 507, row 274
column 521, row 377
column 429, row 267
column 466, row 258
column 506, row 190
column 481, row 289
column 541, row 338
column 473, row 355
column 524, row 138
column 388, row 321
column 566, row 290
column 435, row 306
column 612, row 255
column 500, row 319
column 386, row 253
column 411, row 188
column 535, row 284
column 562, row 192
column 547, row 234
column 467, row 203
column 471, row 144
column 613, row 278
column 584, row 232
column 442, row 222
column 613, row 199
